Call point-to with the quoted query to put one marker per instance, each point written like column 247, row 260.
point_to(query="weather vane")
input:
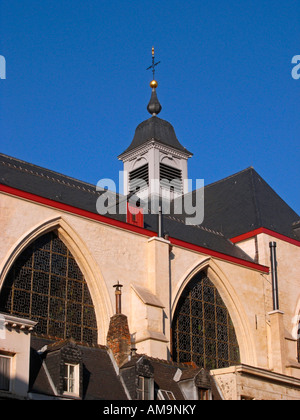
column 153, row 65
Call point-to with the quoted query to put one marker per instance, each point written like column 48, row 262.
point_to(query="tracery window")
column 202, row 330
column 46, row 285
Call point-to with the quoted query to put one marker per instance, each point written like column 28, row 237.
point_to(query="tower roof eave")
column 158, row 130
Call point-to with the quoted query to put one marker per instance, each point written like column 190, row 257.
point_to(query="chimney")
column 274, row 276
column 118, row 336
column 118, row 294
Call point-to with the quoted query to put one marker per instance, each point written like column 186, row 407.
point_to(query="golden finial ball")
column 153, row 84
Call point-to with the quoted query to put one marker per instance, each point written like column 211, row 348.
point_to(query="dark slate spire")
column 155, row 128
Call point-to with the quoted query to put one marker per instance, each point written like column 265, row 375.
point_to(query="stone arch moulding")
column 137, row 163
column 296, row 320
column 231, row 300
column 169, row 158
column 86, row 263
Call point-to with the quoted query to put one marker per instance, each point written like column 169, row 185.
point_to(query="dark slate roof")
column 48, row 184
column 164, row 375
column 100, row 380
column 155, row 129
column 63, row 189
column 200, row 235
column 244, row 202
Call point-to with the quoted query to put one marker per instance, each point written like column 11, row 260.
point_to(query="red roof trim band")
column 219, row 255
column 258, row 231
column 126, row 226
column 74, row 210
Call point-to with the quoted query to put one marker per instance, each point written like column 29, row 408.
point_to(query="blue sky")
column 77, row 84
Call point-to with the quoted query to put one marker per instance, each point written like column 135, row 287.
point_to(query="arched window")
column 202, row 330
column 46, row 285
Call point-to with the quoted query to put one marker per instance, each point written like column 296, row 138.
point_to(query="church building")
column 169, row 294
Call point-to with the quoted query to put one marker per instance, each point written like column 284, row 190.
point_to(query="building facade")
column 205, row 302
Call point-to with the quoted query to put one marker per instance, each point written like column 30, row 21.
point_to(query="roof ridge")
column 255, row 201
column 206, row 229
column 275, row 193
column 44, row 169
column 230, row 176
column 171, row 363
column 43, row 173
column 57, row 341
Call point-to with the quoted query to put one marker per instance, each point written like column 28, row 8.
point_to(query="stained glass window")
column 202, row 330
column 46, row 285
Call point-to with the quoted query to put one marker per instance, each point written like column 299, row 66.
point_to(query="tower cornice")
column 153, row 144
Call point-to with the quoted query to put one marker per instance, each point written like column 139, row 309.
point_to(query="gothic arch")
column 295, row 320
column 230, row 299
column 84, row 260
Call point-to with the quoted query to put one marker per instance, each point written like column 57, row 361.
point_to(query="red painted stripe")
column 75, row 210
column 219, row 255
column 126, row 226
column 246, row 235
column 258, row 231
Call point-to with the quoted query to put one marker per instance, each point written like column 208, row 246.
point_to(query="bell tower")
column 155, row 163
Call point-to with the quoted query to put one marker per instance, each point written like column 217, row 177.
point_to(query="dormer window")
column 145, row 389
column 71, row 379
column 165, row 395
column 63, row 365
column 204, row 394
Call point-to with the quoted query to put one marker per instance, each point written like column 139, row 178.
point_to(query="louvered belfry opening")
column 46, row 285
column 170, row 178
column 202, row 330
column 138, row 175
